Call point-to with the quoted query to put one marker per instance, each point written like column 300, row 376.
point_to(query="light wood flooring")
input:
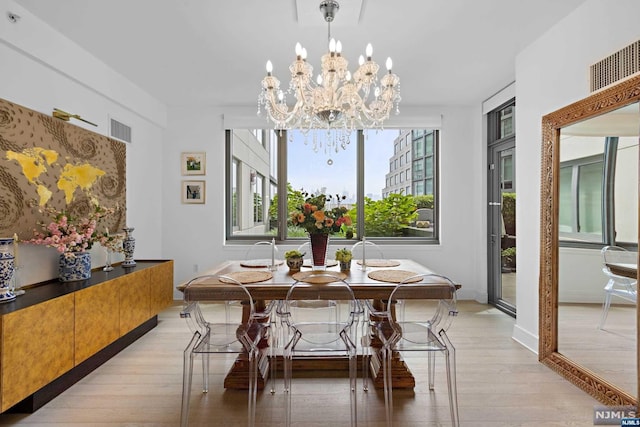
column 500, row 383
column 608, row 352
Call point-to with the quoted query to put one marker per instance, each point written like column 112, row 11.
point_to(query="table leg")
column 238, row 376
column 400, row 373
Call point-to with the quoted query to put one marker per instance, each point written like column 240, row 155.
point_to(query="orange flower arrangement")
column 316, row 220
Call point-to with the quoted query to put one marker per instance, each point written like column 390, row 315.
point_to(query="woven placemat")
column 259, row 263
column 245, row 277
column 317, row 277
column 379, row 262
column 393, row 276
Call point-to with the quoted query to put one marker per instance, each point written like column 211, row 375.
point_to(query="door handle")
column 494, row 204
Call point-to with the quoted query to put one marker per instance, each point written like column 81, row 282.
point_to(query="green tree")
column 509, row 212
column 257, row 207
column 389, row 216
column 424, row 201
column 295, row 198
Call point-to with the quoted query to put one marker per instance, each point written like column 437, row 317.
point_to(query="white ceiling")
column 212, row 52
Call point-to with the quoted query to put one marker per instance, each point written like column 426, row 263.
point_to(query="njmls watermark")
column 615, row 415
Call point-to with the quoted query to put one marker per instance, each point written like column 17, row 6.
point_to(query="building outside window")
column 418, row 148
column 418, row 170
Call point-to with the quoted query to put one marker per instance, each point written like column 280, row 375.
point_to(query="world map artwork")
column 34, row 162
column 45, row 161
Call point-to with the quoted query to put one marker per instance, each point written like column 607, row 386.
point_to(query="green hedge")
column 509, row 212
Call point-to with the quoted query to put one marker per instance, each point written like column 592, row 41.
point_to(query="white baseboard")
column 525, row 338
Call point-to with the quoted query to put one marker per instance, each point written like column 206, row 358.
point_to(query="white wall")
column 551, row 73
column 41, row 70
column 580, row 276
column 195, row 236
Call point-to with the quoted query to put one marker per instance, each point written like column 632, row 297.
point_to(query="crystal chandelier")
column 337, row 99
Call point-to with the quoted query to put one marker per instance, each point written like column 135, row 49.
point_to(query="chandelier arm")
column 278, row 112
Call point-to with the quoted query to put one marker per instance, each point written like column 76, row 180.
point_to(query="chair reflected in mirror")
column 617, row 285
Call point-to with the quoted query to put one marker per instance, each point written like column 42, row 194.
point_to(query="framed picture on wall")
column 193, row 163
column 193, row 192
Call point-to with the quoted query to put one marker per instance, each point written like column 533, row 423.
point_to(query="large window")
column 361, row 170
column 507, row 121
column 598, row 191
column 258, row 198
column 581, row 199
column 234, row 194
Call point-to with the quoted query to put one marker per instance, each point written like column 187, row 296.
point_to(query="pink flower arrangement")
column 68, row 234
column 112, row 242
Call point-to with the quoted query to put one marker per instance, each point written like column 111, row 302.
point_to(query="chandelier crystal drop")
column 335, row 99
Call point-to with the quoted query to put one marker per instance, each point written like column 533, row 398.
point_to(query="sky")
column 310, row 170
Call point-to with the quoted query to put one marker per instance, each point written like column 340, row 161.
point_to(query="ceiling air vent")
column 616, row 67
column 120, row 131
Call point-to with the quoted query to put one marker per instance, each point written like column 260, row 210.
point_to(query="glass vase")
column 7, row 269
column 319, row 248
column 128, row 246
column 107, row 260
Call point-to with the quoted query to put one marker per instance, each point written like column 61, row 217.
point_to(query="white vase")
column 7, row 268
column 128, row 246
column 74, row 266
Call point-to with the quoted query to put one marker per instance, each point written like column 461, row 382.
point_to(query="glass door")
column 501, row 217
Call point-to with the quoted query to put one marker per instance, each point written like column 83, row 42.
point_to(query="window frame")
column 607, row 202
column 281, row 188
column 575, row 165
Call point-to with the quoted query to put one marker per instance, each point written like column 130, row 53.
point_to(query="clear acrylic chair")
column 213, row 335
column 263, row 254
column 370, row 251
column 619, row 286
column 366, row 250
column 305, row 249
column 309, row 331
column 423, row 329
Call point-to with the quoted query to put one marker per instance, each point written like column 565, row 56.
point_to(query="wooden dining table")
column 375, row 282
column 629, row 270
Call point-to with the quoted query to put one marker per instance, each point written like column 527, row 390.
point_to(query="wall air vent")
column 616, row 67
column 120, row 131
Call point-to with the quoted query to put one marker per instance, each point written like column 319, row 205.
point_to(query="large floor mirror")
column 589, row 200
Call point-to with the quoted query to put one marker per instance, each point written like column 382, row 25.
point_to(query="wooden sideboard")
column 57, row 332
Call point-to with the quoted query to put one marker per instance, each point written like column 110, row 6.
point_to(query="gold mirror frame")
column 620, row 95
